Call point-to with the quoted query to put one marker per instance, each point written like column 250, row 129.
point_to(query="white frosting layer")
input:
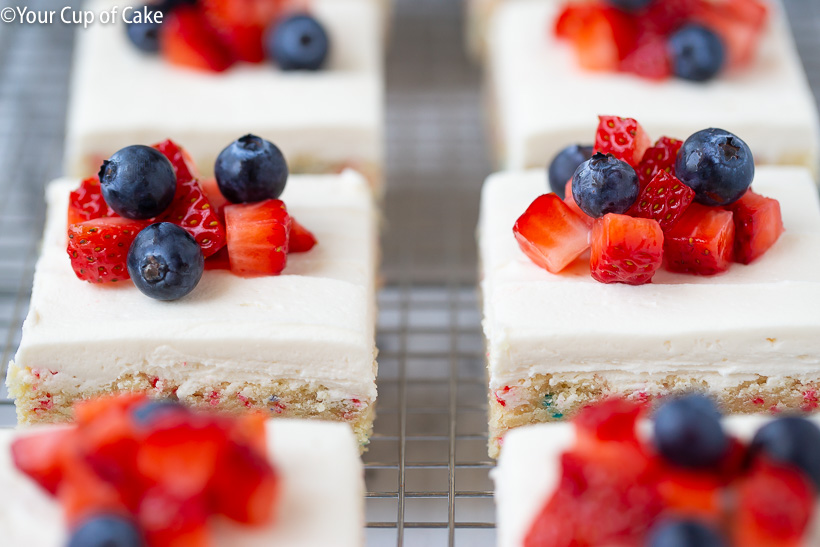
column 120, row 96
column 321, row 504
column 315, row 322
column 753, row 320
column 529, row 468
column 544, row 101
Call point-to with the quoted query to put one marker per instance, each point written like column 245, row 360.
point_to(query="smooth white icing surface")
column 315, row 322
column 757, row 319
column 322, row 499
column 120, row 96
column 544, row 101
column 528, row 471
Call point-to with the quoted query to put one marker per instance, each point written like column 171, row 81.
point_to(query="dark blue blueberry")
column 298, row 43
column 688, row 432
column 150, row 410
column 604, row 184
column 251, row 169
column 717, row 165
column 564, row 164
column 138, row 182
column 165, row 262
column 106, row 531
column 630, row 5
column 791, row 440
column 145, row 35
column 696, row 53
column 685, row 533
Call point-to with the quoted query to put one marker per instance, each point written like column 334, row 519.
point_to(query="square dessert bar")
column 555, row 343
column 541, row 100
column 323, row 121
column 322, row 499
column 300, row 344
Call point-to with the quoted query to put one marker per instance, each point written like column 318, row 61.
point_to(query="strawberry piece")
column 624, row 138
column 625, row 249
column 98, row 248
column 82, row 493
column 739, row 23
column 572, row 19
column 40, row 456
column 258, row 237
column 649, row 59
column 701, row 242
column 758, row 226
column 659, row 157
column 245, row 488
column 665, row 16
column 218, row 202
column 192, row 211
column 604, row 37
column 664, row 199
column 170, row 520
column 550, row 234
column 242, row 24
column 220, row 260
column 182, row 162
column 569, row 199
column 87, row 203
column 692, row 493
column 301, row 239
column 188, row 39
column 612, row 419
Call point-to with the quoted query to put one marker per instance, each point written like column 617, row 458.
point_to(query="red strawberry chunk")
column 40, row 455
column 98, row 248
column 301, row 239
column 550, row 234
column 220, row 260
column 180, row 159
column 624, row 138
column 192, row 211
column 701, row 242
column 87, row 203
column 242, row 24
column 258, row 237
column 758, row 226
column 665, row 16
column 664, row 199
column 649, row 59
column 171, row 520
column 569, row 199
column 246, row 488
column 604, row 37
column 739, row 23
column 659, row 157
column 572, row 19
column 188, row 39
column 218, row 202
column 625, row 249
column 612, row 419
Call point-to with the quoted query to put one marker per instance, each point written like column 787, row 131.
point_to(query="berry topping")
column 138, row 182
column 298, row 42
column 242, row 23
column 181, row 161
column 664, row 199
column 791, row 440
column 604, row 184
column 701, row 242
column 758, row 226
column 165, row 261
column 301, row 239
column 218, row 202
column 98, row 249
column 258, row 237
column 149, row 412
column 739, row 23
column 106, row 531
column 612, row 419
column 189, row 39
column 564, row 164
column 87, row 203
column 625, row 249
column 144, row 34
column 686, row 533
column 629, row 5
column 192, row 212
column 624, row 138
column 649, row 59
column 717, row 165
column 660, row 156
column 570, row 201
column 697, row 53
column 251, row 169
column 688, row 433
column 550, row 234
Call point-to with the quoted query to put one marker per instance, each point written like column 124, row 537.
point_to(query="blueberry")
column 564, row 164
column 145, row 35
column 604, row 184
column 696, row 53
column 138, row 182
column 717, row 165
column 165, row 262
column 791, row 440
column 630, row 5
column 688, row 432
column 685, row 533
column 251, row 169
column 148, row 411
column 106, row 531
column 298, row 43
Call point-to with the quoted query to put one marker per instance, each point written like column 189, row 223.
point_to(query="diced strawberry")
column 659, row 157
column 739, row 23
column 691, row 493
column 242, row 24
column 220, row 260
column 182, row 162
column 258, row 237
column 550, row 234
column 665, row 16
column 572, row 19
column 192, row 211
column 604, row 39
column 170, row 520
column 664, row 199
column 701, row 242
column 188, row 39
column 40, row 456
column 758, row 226
column 569, row 199
column 215, row 197
column 83, row 493
column 87, row 203
column 87, row 410
column 612, row 419
column 245, row 487
column 301, row 239
column 649, row 59
column 624, row 138
column 98, row 248
column 625, row 249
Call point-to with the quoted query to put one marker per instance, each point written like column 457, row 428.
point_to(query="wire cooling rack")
column 427, row 467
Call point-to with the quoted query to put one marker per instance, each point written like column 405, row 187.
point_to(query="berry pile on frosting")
column 637, row 206
column 147, row 217
column 138, row 472
column 692, row 485
column 213, row 35
column 691, row 39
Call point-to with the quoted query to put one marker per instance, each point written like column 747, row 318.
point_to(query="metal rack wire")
column 427, row 467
